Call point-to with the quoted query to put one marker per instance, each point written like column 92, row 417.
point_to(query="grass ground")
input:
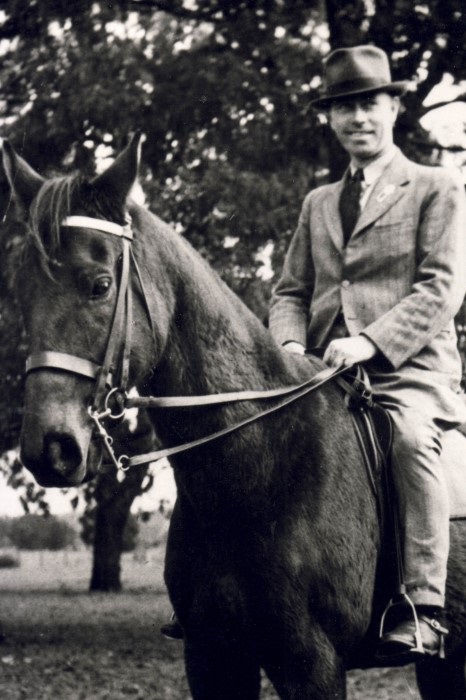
column 61, row 643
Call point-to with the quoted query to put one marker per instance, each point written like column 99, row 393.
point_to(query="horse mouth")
column 48, row 480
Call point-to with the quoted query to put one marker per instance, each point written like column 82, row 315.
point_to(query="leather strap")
column 116, row 342
column 99, row 225
column 143, row 294
column 213, row 399
column 434, row 624
column 301, row 390
column 247, row 395
column 61, row 360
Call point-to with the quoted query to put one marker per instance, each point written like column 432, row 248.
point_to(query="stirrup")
column 402, row 599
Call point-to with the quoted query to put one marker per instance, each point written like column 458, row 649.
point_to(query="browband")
column 99, row 225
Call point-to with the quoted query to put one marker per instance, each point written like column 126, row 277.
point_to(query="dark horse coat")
column 274, row 542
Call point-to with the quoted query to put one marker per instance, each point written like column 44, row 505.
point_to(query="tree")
column 38, row 532
column 107, row 520
column 426, row 42
column 77, row 117
column 227, row 160
column 221, row 90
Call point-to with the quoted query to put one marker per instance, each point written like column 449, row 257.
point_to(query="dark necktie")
column 350, row 206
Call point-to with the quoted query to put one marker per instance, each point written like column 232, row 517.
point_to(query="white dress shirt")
column 372, row 172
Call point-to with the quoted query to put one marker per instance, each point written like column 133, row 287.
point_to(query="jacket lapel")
column 331, row 214
column 387, row 190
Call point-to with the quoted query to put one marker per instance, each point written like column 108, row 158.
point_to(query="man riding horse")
column 375, row 274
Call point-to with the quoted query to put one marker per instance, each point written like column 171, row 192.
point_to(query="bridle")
column 110, row 400
column 112, row 376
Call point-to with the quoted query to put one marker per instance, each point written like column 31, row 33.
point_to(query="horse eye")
column 100, row 287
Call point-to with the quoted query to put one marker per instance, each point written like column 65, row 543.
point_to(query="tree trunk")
column 110, row 521
column 114, row 500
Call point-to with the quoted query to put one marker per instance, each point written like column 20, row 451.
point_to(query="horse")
column 274, row 549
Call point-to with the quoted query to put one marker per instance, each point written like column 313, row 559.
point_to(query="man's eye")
column 343, row 106
column 100, row 287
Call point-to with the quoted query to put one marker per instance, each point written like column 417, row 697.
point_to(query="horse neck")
column 219, row 345
column 214, row 343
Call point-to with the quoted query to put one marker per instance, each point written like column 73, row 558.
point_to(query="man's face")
column 364, row 124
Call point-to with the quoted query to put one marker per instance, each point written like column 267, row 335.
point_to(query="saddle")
column 373, row 427
column 374, row 431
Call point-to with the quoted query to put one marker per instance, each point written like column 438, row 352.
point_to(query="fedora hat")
column 355, row 71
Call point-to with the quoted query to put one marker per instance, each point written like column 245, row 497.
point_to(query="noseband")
column 110, row 399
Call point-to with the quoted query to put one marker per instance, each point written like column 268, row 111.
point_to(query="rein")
column 111, row 377
column 296, row 391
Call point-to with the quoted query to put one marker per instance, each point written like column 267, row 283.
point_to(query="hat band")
column 356, row 85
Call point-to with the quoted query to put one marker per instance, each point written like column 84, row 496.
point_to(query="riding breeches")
column 421, row 410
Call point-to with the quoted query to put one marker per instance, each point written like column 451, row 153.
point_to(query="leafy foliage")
column 222, row 92
column 38, row 532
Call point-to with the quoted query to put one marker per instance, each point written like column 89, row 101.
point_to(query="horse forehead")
column 88, row 245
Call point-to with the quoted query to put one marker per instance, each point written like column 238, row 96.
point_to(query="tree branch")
column 179, row 11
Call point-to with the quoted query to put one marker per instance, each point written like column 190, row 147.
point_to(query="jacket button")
column 345, row 284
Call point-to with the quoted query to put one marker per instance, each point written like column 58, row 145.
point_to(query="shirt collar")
column 374, row 170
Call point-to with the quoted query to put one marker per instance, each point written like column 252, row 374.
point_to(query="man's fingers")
column 332, row 358
column 336, row 358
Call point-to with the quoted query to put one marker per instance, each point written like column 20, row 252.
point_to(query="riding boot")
column 419, row 631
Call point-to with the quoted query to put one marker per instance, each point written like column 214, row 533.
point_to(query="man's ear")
column 396, row 104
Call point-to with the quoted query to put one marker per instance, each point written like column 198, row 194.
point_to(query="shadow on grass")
column 61, row 642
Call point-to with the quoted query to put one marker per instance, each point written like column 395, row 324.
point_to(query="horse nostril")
column 62, row 452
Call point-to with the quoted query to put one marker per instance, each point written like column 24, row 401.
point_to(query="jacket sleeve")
column 289, row 311
column 440, row 280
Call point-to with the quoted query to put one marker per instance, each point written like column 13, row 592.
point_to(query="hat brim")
column 397, row 88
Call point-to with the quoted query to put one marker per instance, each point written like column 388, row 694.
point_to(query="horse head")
column 78, row 320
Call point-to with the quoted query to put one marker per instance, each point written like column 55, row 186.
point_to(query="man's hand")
column 345, row 352
column 296, row 348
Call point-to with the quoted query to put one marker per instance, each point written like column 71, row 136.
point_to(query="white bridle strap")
column 62, row 361
column 99, row 225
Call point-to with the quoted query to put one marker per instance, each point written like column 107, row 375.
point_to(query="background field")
column 61, row 643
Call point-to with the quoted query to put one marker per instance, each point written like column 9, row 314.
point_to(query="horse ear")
column 24, row 181
column 118, row 180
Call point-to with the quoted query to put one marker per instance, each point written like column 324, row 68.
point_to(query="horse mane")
column 58, row 198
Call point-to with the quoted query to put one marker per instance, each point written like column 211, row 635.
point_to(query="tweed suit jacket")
column 399, row 281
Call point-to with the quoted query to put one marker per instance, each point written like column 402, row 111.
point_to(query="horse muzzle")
column 58, row 460
column 56, row 443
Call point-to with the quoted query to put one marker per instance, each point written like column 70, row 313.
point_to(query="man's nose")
column 359, row 114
